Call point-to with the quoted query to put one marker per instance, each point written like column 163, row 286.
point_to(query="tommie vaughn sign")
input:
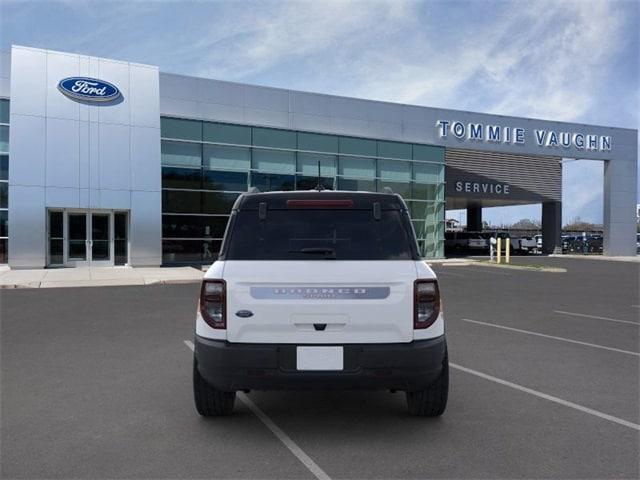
column 478, row 132
column 88, row 89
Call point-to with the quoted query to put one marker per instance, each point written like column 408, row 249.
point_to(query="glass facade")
column 206, row 165
column 4, row 180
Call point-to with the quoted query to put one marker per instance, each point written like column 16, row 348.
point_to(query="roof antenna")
column 319, row 187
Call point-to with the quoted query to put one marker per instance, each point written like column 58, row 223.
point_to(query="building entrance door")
column 87, row 238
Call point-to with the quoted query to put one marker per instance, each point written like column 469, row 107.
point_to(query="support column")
column 551, row 227
column 474, row 218
column 620, row 191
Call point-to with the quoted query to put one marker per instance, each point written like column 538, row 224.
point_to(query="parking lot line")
column 551, row 398
column 279, row 433
column 553, row 337
column 609, row 319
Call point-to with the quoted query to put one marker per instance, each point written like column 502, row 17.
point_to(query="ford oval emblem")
column 244, row 313
column 89, row 89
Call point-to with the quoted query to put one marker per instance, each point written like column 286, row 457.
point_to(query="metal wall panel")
column 82, row 155
column 531, row 178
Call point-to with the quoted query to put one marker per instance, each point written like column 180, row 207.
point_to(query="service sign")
column 88, row 89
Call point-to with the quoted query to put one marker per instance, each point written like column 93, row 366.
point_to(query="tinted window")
column 181, row 178
column 217, row 180
column 268, row 182
column 321, row 234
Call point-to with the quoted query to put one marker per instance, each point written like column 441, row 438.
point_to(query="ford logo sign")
column 89, row 89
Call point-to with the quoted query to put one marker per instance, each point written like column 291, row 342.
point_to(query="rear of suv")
column 320, row 290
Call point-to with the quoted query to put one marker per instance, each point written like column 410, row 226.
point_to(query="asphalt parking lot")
column 96, row 383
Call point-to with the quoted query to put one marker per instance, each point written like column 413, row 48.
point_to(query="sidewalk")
column 97, row 277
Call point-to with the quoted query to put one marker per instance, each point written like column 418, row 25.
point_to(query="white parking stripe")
column 562, row 339
column 608, row 319
column 277, row 431
column 551, row 398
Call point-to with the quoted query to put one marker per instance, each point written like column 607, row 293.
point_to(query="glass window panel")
column 55, row 252
column 419, row 227
column 310, row 183
column 4, row 223
column 178, row 128
column 180, row 153
column 4, row 195
column 357, row 167
column 120, row 250
column 428, row 172
column 175, row 201
column 4, row 111
column 271, row 137
column 418, row 210
column 274, row 161
column 120, row 226
column 427, row 153
column 4, row 167
column 214, row 226
column 189, row 251
column 181, row 226
column 120, row 243
column 182, row 251
column 217, row 180
column 404, row 189
column 225, row 133
column 356, row 185
column 308, row 164
column 227, row 158
column 4, row 255
column 182, row 178
column 218, row 202
column 4, row 139
column 317, row 143
column 394, row 150
column 425, row 191
column 268, row 182
column 55, row 225
column 392, row 170
column 358, row 146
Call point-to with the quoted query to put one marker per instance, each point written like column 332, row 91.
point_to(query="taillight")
column 426, row 303
column 213, row 303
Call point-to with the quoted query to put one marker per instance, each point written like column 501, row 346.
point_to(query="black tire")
column 211, row 402
column 432, row 401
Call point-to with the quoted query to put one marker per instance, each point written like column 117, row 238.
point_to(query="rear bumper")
column 242, row 366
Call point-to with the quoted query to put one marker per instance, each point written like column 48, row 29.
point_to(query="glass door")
column 88, row 240
column 100, row 242
column 77, row 239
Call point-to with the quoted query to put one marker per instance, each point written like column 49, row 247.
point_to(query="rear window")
column 314, row 234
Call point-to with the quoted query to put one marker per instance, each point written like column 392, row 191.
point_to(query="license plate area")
column 319, row 358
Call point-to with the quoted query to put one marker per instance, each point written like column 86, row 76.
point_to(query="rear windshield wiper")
column 328, row 251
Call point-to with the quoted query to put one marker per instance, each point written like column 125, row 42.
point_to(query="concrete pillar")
column 551, row 227
column 620, row 198
column 474, row 218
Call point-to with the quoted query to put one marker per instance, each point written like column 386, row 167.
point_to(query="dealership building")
column 107, row 162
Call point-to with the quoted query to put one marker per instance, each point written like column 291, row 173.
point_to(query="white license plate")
column 320, row 358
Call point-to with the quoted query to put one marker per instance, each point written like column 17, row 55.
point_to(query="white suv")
column 320, row 290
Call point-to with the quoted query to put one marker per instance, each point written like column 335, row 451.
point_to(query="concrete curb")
column 102, row 277
column 520, row 267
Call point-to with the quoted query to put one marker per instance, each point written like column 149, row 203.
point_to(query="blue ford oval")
column 89, row 89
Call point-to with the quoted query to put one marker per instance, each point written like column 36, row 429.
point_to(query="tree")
column 525, row 224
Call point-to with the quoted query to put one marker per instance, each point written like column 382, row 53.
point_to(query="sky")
column 558, row 60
